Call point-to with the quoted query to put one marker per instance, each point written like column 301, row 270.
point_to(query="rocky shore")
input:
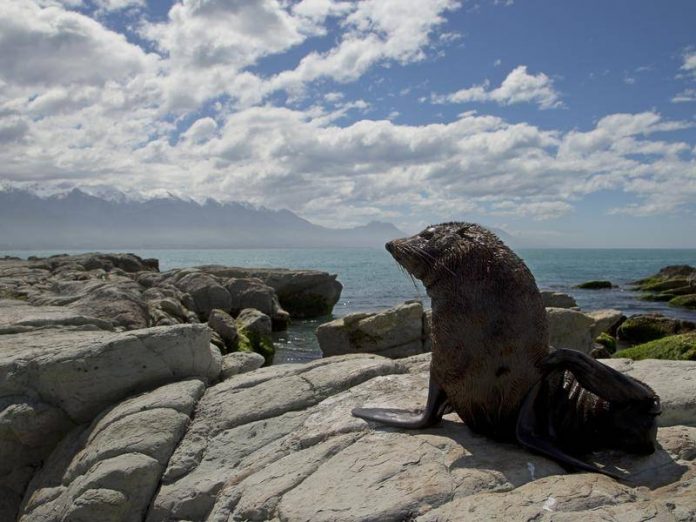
column 115, row 405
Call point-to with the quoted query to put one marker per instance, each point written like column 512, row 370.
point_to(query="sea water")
column 373, row 281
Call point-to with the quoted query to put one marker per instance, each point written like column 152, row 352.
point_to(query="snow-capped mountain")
column 37, row 217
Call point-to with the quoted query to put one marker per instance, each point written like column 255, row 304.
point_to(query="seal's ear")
column 536, row 439
column 436, row 407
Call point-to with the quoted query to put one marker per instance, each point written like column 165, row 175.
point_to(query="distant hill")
column 74, row 219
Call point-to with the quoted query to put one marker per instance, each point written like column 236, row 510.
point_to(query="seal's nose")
column 390, row 247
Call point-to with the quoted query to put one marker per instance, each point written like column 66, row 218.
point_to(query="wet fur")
column 491, row 361
column 489, row 325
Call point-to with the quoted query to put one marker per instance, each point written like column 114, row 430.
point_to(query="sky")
column 567, row 124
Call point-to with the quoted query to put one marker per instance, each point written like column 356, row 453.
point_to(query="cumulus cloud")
column 118, row 5
column 518, row 87
column 86, row 106
column 50, row 45
column 687, row 95
column 689, row 64
column 376, row 31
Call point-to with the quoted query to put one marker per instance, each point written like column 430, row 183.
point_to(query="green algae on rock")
column 676, row 284
column 643, row 328
column 675, row 347
column 684, row 301
column 607, row 341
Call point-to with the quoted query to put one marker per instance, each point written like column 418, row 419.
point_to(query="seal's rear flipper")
column 529, row 437
column 435, row 408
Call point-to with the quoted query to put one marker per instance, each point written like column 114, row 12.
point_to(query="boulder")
column 606, row 321
column 54, row 379
column 395, row 332
column 674, row 347
column 246, row 423
column 254, row 329
column 207, row 293
column 224, row 325
column 279, row 443
column 642, row 328
column 19, row 316
column 570, row 329
column 303, row 293
column 676, row 284
column 110, row 469
column 557, row 299
column 129, row 263
column 254, row 293
column 120, row 303
column 240, row 362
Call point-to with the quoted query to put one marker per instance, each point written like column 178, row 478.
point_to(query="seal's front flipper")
column 435, row 408
column 532, row 437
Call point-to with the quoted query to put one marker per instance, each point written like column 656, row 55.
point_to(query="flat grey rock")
column 54, row 379
column 111, row 469
column 280, row 443
column 400, row 331
column 18, row 316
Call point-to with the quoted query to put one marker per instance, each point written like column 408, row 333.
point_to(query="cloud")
column 49, row 45
column 377, row 31
column 689, row 63
column 687, row 95
column 118, row 5
column 85, row 106
column 518, row 87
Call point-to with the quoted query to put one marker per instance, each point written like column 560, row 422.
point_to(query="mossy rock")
column 675, row 347
column 661, row 286
column 607, row 341
column 658, row 297
column 253, row 342
column 684, row 301
column 643, row 328
column 595, row 285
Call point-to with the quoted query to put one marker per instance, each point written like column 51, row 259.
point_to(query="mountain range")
column 75, row 219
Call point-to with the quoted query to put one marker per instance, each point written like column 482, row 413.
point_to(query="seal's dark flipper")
column 598, row 378
column 529, row 437
column 435, row 408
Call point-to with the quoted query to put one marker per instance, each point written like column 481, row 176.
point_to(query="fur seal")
column 491, row 361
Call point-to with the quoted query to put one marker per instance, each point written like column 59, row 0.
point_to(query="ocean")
column 373, row 281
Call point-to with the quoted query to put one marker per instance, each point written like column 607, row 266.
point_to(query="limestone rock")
column 606, row 321
column 207, row 293
column 557, row 299
column 396, row 332
column 570, row 329
column 51, row 380
column 279, row 443
column 111, row 469
column 254, row 293
column 303, row 293
column 255, row 330
column 18, row 316
column 251, row 420
column 224, row 325
column 240, row 362
column 120, row 303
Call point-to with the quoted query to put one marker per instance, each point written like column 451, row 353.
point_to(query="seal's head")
column 442, row 250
